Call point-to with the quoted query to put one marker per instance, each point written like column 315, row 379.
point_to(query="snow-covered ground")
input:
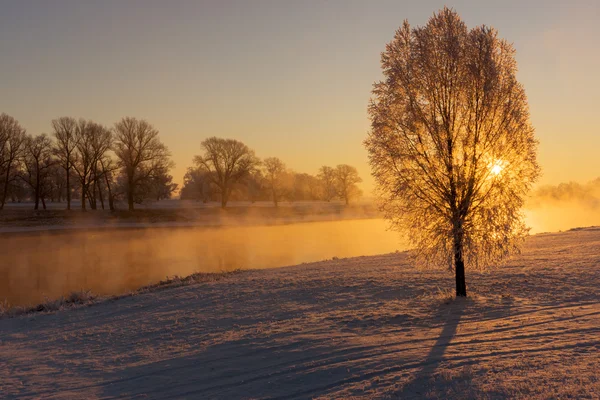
column 366, row 327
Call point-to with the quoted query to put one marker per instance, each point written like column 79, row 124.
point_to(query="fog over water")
column 34, row 266
column 564, row 206
column 555, row 218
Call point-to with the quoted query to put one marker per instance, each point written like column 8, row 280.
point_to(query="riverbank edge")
column 86, row 298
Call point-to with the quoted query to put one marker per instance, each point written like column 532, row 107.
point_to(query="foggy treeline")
column 88, row 165
column 83, row 161
column 229, row 170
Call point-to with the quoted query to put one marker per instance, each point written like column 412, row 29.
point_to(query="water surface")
column 35, row 266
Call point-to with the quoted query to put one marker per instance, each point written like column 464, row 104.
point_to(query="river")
column 35, row 266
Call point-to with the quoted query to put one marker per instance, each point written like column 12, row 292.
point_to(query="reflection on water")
column 109, row 262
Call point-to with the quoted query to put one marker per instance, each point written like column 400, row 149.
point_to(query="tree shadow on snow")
column 423, row 383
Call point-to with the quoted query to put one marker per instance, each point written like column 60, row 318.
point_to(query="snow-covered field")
column 366, row 327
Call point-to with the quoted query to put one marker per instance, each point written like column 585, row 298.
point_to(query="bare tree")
column 163, row 186
column 84, row 157
column 65, row 132
column 101, row 143
column 327, row 177
column 92, row 142
column 196, row 185
column 157, row 187
column 227, row 161
column 256, row 186
column 55, row 186
column 12, row 145
column 38, row 163
column 141, row 154
column 451, row 147
column 275, row 174
column 305, row 187
column 18, row 188
column 346, row 179
column 108, row 167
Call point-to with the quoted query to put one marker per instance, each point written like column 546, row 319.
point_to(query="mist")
column 564, row 206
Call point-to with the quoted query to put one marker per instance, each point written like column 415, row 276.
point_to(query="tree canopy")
column 451, row 147
column 227, row 161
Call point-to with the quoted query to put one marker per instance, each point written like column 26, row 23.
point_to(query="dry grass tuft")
column 439, row 296
column 82, row 297
column 198, row 277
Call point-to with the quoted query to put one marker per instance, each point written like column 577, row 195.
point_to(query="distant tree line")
column 85, row 161
column 228, row 170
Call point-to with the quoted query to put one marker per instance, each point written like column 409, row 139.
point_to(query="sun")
column 497, row 167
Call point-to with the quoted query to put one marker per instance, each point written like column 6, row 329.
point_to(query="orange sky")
column 290, row 79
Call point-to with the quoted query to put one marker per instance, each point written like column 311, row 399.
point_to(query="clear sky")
column 289, row 78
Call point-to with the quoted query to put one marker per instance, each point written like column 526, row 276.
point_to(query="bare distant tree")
column 12, row 146
column 346, row 179
column 256, row 185
column 141, row 154
column 18, row 188
column 196, row 185
column 159, row 186
column 305, row 187
column 108, row 168
column 163, row 186
column 275, row 174
column 227, row 161
column 84, row 159
column 314, row 187
column 327, row 177
column 38, row 163
column 65, row 132
column 451, row 147
column 102, row 141
column 55, row 187
column 92, row 142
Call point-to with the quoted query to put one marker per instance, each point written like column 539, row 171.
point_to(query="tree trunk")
column 130, row 200
column 43, row 203
column 111, row 201
column 83, row 190
column 101, row 196
column 95, row 191
column 68, row 189
column 37, row 191
column 5, row 187
column 459, row 267
column 130, row 188
column 224, row 195
column 92, row 196
column 111, row 204
column 130, row 196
